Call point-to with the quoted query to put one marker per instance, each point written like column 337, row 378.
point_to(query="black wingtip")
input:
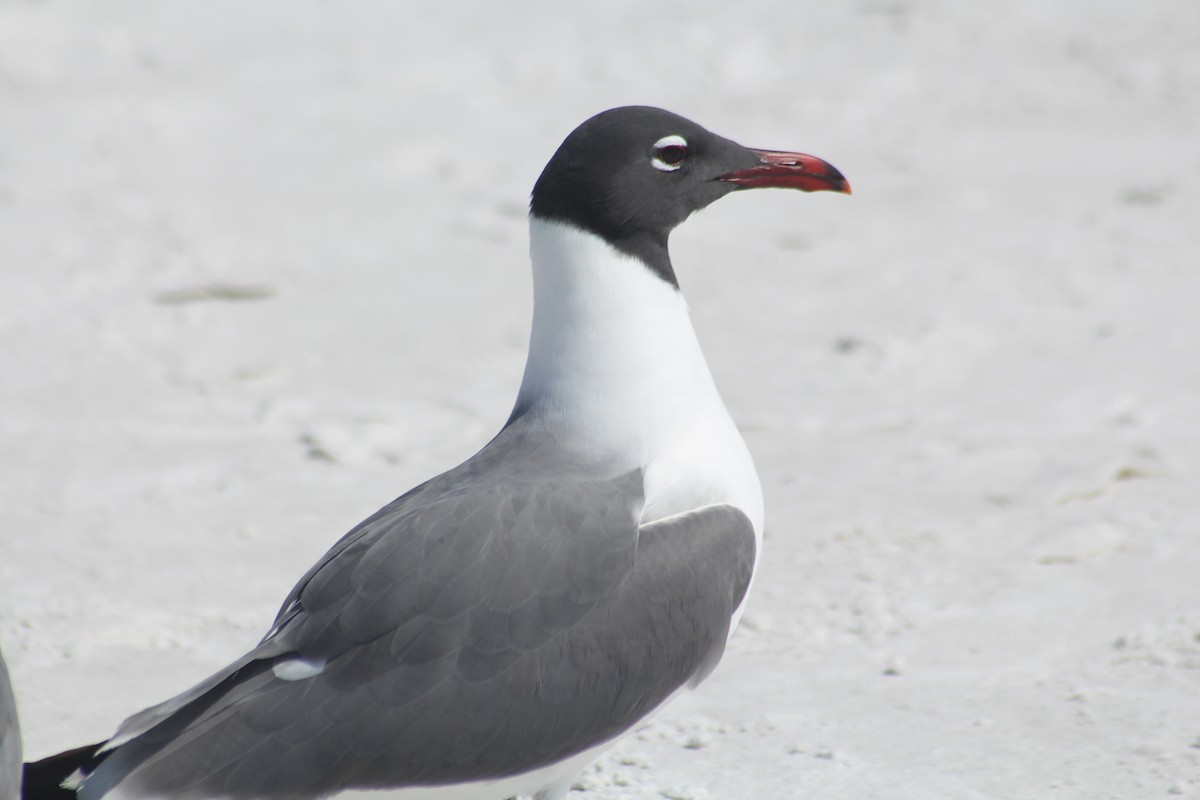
column 42, row 780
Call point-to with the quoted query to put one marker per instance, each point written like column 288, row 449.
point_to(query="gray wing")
column 460, row 634
column 10, row 740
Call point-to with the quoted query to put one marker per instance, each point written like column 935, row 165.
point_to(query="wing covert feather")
column 481, row 634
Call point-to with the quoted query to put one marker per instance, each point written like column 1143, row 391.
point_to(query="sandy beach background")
column 263, row 268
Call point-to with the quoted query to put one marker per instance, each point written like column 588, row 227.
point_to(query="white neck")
column 614, row 368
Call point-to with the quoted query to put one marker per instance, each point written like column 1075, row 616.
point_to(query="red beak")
column 789, row 171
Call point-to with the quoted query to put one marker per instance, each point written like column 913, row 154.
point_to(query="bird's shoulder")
column 522, row 505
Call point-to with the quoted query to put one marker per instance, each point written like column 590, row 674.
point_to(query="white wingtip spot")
column 297, row 669
column 74, row 780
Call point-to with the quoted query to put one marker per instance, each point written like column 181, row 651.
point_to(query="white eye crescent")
column 669, row 153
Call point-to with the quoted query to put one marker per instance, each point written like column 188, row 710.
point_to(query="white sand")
column 972, row 389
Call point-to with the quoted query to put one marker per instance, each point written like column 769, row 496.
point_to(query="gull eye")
column 672, row 156
column 669, row 153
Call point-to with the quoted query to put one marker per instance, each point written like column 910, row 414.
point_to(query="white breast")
column 615, row 366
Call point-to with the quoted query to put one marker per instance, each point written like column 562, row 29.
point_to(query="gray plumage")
column 536, row 602
column 501, row 617
column 10, row 739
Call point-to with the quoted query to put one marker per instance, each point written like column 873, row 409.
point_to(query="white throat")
column 614, row 367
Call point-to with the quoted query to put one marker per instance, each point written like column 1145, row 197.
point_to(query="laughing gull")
column 490, row 632
column 10, row 739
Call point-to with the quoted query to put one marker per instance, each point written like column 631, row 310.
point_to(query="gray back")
column 494, row 620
